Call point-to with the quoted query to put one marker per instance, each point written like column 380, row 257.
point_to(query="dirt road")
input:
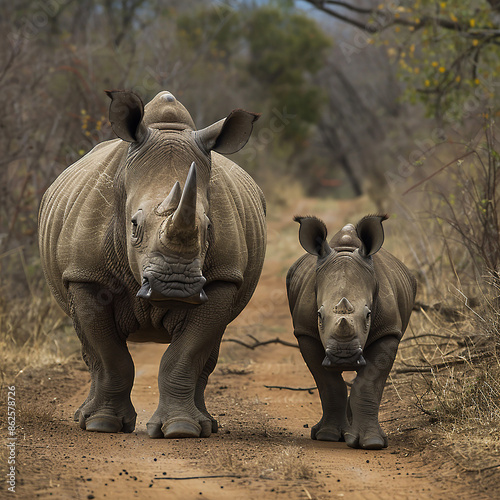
column 262, row 450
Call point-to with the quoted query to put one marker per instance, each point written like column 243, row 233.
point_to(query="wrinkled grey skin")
column 154, row 237
column 350, row 303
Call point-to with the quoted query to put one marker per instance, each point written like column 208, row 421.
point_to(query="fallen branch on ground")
column 258, row 343
column 308, row 389
column 197, row 477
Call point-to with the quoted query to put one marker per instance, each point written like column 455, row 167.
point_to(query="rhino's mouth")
column 174, row 283
column 344, row 359
column 162, row 300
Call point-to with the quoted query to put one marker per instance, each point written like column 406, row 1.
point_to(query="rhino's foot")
column 323, row 432
column 214, row 423
column 368, row 440
column 180, row 427
column 215, row 426
column 106, row 420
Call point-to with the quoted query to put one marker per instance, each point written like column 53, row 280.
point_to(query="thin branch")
column 173, row 478
column 308, row 389
column 444, row 364
column 338, row 16
column 349, row 6
column 439, row 171
column 258, row 343
column 372, row 28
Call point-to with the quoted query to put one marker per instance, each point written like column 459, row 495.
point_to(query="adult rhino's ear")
column 126, row 113
column 371, row 233
column 312, row 236
column 228, row 135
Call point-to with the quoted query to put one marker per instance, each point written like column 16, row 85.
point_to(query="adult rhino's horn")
column 171, row 202
column 185, row 216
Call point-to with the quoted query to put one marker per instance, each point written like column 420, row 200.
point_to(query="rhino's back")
column 74, row 216
column 238, row 241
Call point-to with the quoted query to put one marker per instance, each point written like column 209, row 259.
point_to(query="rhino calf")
column 350, row 302
column 154, row 237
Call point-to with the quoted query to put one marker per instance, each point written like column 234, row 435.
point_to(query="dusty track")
column 262, row 450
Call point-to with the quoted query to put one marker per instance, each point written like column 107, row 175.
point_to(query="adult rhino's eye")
column 137, row 227
column 320, row 316
column 368, row 313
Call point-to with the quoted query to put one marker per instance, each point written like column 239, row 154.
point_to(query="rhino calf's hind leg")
column 366, row 394
column 332, row 391
column 108, row 407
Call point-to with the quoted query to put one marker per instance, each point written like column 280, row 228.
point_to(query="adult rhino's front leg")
column 199, row 395
column 185, row 367
column 108, row 407
column 366, row 393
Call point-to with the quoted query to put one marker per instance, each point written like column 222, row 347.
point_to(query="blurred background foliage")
column 352, row 95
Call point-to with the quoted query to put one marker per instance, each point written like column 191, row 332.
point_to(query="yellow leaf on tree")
column 472, row 23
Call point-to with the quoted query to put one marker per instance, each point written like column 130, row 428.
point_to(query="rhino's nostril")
column 360, row 361
column 145, row 291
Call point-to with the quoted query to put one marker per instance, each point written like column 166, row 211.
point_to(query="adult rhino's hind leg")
column 332, row 391
column 186, row 364
column 108, row 407
column 366, row 393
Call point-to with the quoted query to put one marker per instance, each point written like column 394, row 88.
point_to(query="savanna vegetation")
column 393, row 101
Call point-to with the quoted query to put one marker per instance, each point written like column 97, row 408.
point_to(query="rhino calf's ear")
column 371, row 233
column 312, row 236
column 126, row 112
column 228, row 135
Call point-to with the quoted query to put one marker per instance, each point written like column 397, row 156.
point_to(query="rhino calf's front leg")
column 332, row 391
column 364, row 430
column 108, row 407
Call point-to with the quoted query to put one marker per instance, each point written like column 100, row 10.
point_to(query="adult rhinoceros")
column 154, row 237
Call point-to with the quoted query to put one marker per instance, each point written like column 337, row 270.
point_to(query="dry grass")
column 282, row 463
column 34, row 331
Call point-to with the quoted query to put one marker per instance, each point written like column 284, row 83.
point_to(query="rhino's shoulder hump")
column 237, row 213
column 229, row 175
